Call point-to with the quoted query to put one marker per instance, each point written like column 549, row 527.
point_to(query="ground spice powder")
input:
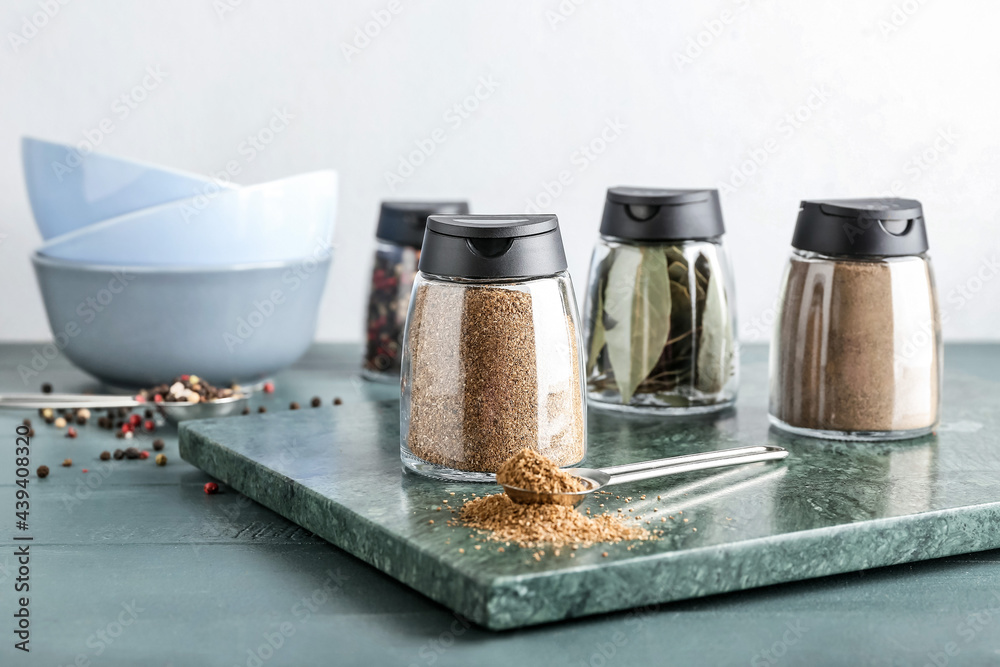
column 855, row 349
column 531, row 471
column 486, row 384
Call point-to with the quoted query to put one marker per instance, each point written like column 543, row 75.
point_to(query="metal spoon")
column 174, row 411
column 598, row 478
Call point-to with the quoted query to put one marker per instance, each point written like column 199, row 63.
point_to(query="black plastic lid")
column 492, row 246
column 657, row 214
column 403, row 222
column 861, row 227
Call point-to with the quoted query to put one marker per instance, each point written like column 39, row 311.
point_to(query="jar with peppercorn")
column 399, row 236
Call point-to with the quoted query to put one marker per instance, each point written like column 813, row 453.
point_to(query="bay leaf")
column 715, row 346
column 637, row 310
column 596, row 324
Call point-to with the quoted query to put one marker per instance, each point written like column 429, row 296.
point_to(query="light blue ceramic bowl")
column 277, row 221
column 139, row 326
column 69, row 190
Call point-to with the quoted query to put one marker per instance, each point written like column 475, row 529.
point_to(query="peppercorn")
column 161, row 459
column 71, row 432
column 119, row 455
column 246, row 411
column 119, row 435
column 31, row 433
column 83, row 412
column 60, row 422
column 47, row 413
column 262, row 409
column 211, row 488
column 293, row 406
column 268, row 387
column 67, row 463
column 337, row 401
column 317, row 401
column 105, row 455
column 148, row 413
column 46, row 388
column 27, row 422
column 43, row 472
column 144, row 455
column 131, row 453
column 134, row 420
column 158, row 444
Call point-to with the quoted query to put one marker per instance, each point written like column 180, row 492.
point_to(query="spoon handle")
column 672, row 466
column 27, row 401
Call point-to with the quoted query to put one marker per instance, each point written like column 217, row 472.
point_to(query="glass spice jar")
column 660, row 311
column 399, row 235
column 492, row 360
column 856, row 352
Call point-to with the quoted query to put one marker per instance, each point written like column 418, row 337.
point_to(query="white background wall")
column 893, row 78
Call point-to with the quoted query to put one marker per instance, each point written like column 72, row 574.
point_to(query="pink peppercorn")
column 144, row 454
column 134, row 420
column 211, row 488
column 268, row 387
column 158, row 398
column 149, row 425
column 71, row 432
column 139, row 398
column 126, row 428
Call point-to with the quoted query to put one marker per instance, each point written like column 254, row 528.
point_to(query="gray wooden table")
column 132, row 564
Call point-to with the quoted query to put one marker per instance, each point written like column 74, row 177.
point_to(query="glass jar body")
column 488, row 369
column 856, row 352
column 388, row 300
column 651, row 347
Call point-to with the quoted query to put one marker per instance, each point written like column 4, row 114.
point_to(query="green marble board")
column 831, row 507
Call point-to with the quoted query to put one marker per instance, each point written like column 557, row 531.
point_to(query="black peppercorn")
column 293, row 406
column 27, row 422
column 131, row 453
column 149, row 413
column 337, row 401
column 81, row 420
column 105, row 455
column 46, row 388
column 43, row 472
column 317, row 401
column 118, row 455
column 158, row 444
column 246, row 411
column 262, row 409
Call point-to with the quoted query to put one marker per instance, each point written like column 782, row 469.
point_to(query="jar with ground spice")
column 856, row 353
column 660, row 313
column 399, row 235
column 491, row 357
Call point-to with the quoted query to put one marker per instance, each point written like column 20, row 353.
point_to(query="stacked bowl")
column 149, row 273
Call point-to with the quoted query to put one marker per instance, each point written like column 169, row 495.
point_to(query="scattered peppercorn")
column 316, row 402
column 293, row 406
column 144, row 455
column 119, row 435
column 27, row 422
column 268, row 387
column 105, row 455
column 149, row 426
column 80, row 421
column 262, row 409
column 84, row 470
column 43, row 472
column 134, row 420
column 131, row 453
column 46, row 388
column 60, row 422
column 67, row 463
column 31, row 433
column 47, row 413
column 83, row 412
column 119, row 455
column 158, row 444
column 161, row 459
column 71, row 432
column 148, row 413
column 211, row 488
column 337, row 401
column 246, row 411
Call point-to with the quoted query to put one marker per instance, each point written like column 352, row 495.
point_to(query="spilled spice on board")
column 531, row 471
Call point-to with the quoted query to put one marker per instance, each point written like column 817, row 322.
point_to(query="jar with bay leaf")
column 660, row 314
